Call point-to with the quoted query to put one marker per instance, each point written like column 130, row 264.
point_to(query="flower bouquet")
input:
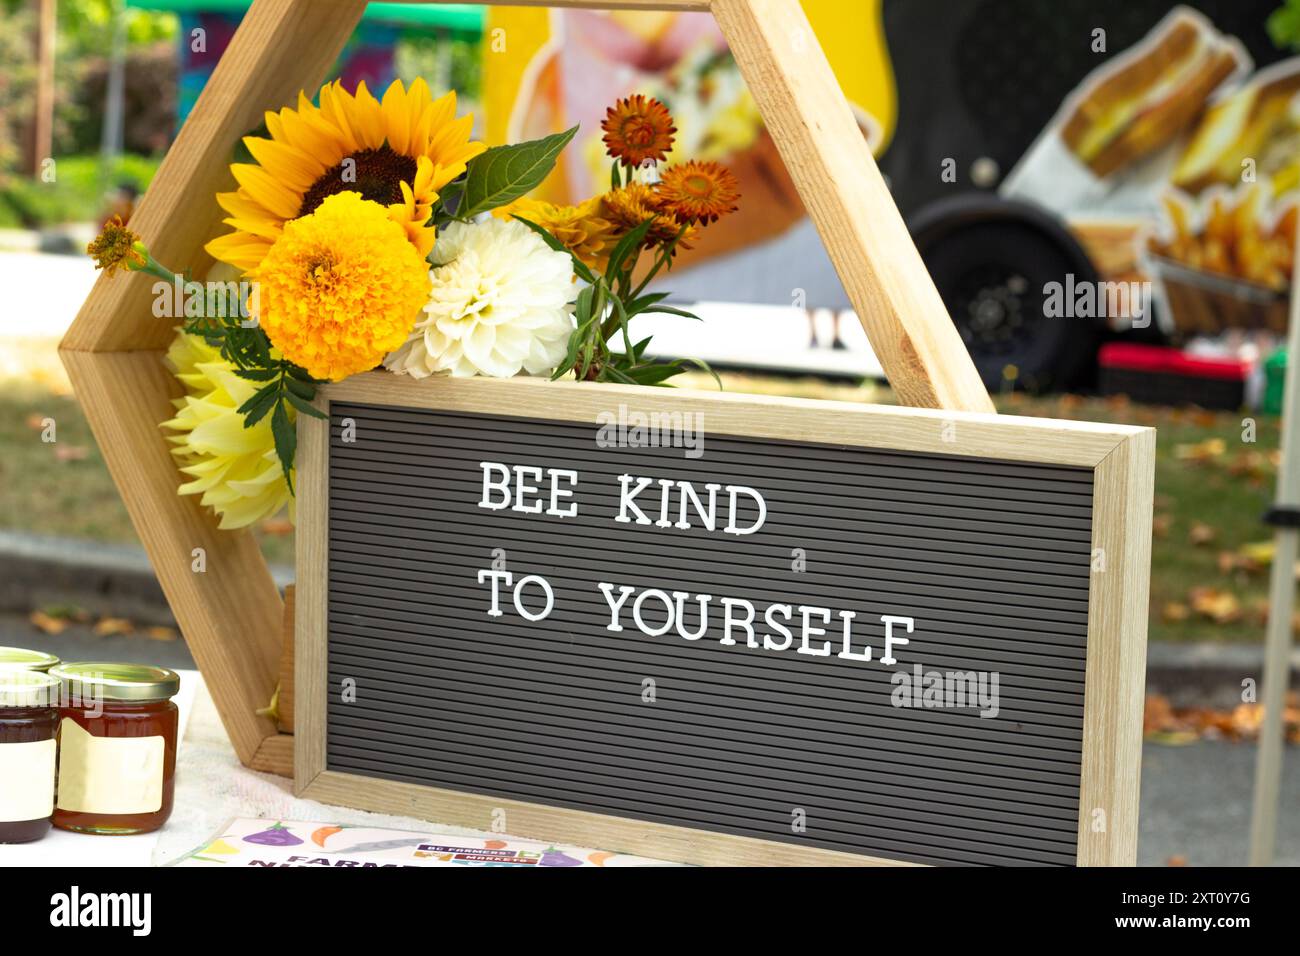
column 374, row 233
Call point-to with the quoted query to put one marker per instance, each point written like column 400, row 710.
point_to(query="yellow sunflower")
column 398, row 151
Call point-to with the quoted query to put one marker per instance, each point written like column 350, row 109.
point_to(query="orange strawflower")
column 638, row 128
column 631, row 205
column 117, row 247
column 699, row 192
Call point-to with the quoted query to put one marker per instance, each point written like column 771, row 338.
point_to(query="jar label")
column 26, row 781
column 109, row 774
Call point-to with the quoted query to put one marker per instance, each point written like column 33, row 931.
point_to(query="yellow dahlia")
column 582, row 229
column 398, row 151
column 340, row 288
column 631, row 205
column 699, row 191
column 234, row 468
column 638, row 128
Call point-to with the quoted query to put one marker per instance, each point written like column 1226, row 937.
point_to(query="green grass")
column 76, row 193
column 75, row 496
column 63, row 488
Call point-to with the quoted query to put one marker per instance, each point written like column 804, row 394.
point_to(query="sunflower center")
column 375, row 173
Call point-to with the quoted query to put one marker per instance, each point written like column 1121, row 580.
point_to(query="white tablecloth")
column 212, row 788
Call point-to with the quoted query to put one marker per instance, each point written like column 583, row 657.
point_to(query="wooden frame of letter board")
column 1121, row 458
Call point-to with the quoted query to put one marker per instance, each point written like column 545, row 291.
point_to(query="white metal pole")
column 111, row 142
column 1281, row 601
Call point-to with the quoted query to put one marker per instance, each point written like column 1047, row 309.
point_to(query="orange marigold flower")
column 117, row 247
column 631, row 205
column 699, row 191
column 638, row 128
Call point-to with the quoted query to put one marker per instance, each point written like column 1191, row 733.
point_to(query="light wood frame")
column 230, row 614
column 1122, row 461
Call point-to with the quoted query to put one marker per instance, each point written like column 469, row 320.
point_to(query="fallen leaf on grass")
column 71, row 452
column 161, row 633
column 277, row 526
column 1221, row 607
column 1176, row 860
column 36, row 421
column 1230, row 561
column 1165, row 724
column 1251, row 464
column 1161, row 524
column 1201, row 451
column 1175, row 611
column 113, row 625
column 1200, row 534
column 48, row 623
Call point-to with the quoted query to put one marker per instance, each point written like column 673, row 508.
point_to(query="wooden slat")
column 680, row 5
column 281, row 46
column 812, row 125
column 1117, row 651
column 275, row 755
column 311, row 610
column 286, row 663
column 761, row 416
column 530, row 820
column 230, row 612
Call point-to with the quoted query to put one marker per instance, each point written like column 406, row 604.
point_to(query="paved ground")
column 1195, row 798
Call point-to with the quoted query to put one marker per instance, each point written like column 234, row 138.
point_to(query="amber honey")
column 117, row 747
column 29, row 720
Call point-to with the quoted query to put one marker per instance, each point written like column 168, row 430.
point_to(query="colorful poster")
column 287, row 843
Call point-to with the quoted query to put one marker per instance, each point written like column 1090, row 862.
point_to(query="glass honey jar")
column 117, row 747
column 21, row 659
column 29, row 722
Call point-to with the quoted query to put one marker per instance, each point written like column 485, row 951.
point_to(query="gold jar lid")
column 19, row 688
column 127, row 682
column 21, row 659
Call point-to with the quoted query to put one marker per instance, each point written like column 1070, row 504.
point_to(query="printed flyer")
column 288, row 843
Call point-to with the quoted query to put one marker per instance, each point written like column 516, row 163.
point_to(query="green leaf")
column 643, row 303
column 655, row 374
column 700, row 363
column 257, row 374
column 580, row 267
column 300, row 388
column 505, row 173
column 669, row 310
column 263, row 400
column 628, row 244
column 615, row 181
column 639, row 348
column 286, row 441
column 304, row 406
column 619, row 376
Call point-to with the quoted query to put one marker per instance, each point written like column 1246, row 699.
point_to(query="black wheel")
column 995, row 263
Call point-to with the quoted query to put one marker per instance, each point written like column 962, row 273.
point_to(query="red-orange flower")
column 638, row 128
column 630, row 206
column 699, row 192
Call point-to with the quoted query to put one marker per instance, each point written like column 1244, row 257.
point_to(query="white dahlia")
column 500, row 303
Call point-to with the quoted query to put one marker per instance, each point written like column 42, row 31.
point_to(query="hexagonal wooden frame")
column 230, row 613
